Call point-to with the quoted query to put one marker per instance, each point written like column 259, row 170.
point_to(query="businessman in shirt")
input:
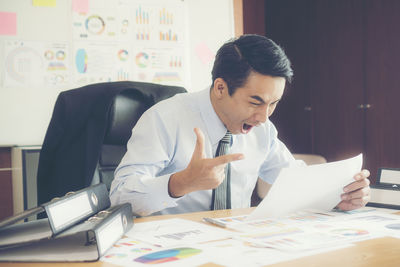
column 170, row 164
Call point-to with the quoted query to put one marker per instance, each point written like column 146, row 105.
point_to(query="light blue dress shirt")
column 162, row 143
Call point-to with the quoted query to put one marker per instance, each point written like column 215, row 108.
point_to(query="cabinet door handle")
column 364, row 106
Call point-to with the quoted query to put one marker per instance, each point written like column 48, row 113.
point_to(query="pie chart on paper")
column 81, row 59
column 142, row 60
column 350, row 232
column 168, row 255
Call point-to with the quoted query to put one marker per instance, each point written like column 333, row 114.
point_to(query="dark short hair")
column 237, row 58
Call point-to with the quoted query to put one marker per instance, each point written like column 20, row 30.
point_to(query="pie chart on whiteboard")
column 81, row 60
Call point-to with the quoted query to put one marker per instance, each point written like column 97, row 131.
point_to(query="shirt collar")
column 215, row 128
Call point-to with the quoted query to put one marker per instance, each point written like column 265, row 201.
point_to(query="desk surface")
column 370, row 253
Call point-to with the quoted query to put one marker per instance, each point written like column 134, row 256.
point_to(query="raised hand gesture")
column 202, row 173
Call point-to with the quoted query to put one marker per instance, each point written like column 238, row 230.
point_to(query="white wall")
column 25, row 111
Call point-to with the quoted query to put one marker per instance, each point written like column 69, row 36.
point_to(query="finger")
column 356, row 185
column 362, row 175
column 199, row 147
column 220, row 160
column 354, row 203
column 363, row 201
column 360, row 193
column 344, row 205
column 220, row 172
column 359, row 201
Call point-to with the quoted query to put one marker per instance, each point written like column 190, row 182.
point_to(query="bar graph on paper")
column 168, row 35
column 122, row 75
column 159, row 36
column 142, row 16
column 166, row 17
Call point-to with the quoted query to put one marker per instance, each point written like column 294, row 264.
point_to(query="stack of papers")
column 179, row 242
column 295, row 220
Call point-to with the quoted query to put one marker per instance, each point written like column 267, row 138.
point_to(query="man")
column 170, row 165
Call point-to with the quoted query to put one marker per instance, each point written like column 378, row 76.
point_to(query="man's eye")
column 255, row 104
column 275, row 103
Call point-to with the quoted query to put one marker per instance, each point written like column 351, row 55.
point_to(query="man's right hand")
column 202, row 173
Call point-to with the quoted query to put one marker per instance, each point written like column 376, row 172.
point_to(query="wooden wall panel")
column 382, row 81
column 345, row 55
column 288, row 24
column 336, row 78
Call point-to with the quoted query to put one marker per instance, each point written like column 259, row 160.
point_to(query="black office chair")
column 88, row 132
column 125, row 111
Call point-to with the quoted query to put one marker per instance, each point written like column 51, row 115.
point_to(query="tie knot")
column 227, row 138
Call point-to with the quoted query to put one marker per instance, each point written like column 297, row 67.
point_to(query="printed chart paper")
column 259, row 243
column 176, row 232
column 132, row 252
column 307, row 187
column 35, row 63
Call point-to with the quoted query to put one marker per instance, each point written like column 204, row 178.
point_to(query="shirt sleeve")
column 137, row 179
column 278, row 156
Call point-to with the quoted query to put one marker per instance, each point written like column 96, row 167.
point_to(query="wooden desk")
column 370, row 253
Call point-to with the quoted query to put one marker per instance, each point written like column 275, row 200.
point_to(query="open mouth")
column 246, row 128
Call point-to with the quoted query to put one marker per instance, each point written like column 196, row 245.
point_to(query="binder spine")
column 384, row 196
column 75, row 207
column 113, row 224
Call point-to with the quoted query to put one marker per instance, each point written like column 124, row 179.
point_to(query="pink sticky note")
column 204, row 53
column 80, row 6
column 8, row 23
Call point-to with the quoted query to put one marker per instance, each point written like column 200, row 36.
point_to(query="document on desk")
column 176, row 231
column 307, row 187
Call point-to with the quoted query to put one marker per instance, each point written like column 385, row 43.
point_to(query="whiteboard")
column 25, row 111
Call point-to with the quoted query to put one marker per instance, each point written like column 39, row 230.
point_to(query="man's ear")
column 220, row 87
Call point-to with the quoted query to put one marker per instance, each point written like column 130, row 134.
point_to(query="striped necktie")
column 221, row 198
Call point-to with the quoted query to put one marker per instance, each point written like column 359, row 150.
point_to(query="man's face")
column 251, row 104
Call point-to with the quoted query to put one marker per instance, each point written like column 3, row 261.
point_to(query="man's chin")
column 235, row 131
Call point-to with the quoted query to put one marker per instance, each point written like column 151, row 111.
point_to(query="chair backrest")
column 88, row 132
column 125, row 111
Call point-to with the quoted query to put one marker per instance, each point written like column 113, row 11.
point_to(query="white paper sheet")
column 316, row 233
column 307, row 187
column 133, row 252
column 176, row 232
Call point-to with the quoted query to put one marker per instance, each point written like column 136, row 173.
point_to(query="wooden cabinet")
column 6, row 198
column 382, row 83
column 18, row 189
column 25, row 162
column 288, row 24
column 343, row 100
column 336, row 78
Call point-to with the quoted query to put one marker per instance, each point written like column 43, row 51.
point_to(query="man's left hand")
column 357, row 193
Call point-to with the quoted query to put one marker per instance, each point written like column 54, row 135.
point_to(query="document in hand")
column 307, row 187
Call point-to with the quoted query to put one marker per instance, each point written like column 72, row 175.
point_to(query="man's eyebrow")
column 256, row 97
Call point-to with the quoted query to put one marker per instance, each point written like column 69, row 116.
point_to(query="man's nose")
column 262, row 115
